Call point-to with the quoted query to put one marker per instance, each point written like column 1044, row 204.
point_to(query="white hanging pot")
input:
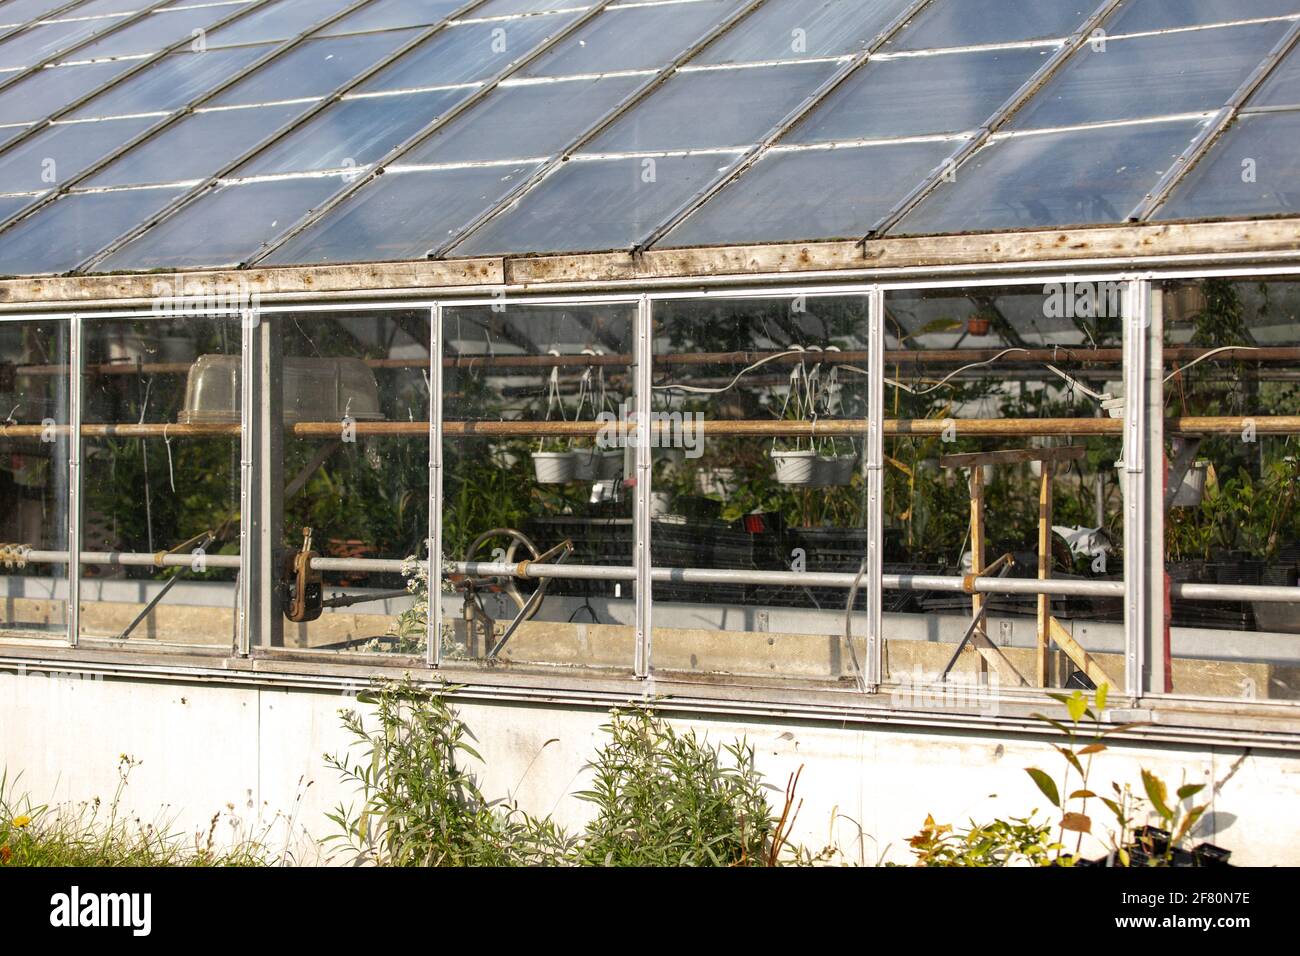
column 553, row 467
column 795, row 467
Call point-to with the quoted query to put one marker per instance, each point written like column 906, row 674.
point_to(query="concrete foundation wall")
column 207, row 747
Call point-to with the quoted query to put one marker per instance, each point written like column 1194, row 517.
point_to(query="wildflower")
column 6, row 854
column 21, row 821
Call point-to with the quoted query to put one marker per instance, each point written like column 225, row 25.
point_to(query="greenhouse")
column 878, row 366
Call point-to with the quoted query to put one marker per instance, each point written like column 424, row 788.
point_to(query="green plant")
column 1000, row 843
column 669, row 799
column 1177, row 818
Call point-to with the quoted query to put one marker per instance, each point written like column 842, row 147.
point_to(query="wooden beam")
column 977, row 558
column 1042, row 657
column 1075, row 651
column 1012, row 456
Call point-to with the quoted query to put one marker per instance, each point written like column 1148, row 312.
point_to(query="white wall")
column 256, row 753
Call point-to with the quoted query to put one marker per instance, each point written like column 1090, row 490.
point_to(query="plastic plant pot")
column 593, row 464
column 1192, row 490
column 554, row 467
column 795, row 467
column 978, row 324
column 835, row 470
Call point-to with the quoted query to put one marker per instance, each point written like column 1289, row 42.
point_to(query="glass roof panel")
column 16, row 12
column 1252, row 170
column 277, row 21
column 798, row 29
column 42, row 42
column 632, row 38
column 196, row 146
column 772, row 202
column 402, row 215
column 960, row 91
column 1134, row 16
column 1078, row 177
column 313, row 68
column 52, row 88
column 1282, row 88
column 171, row 82
column 467, row 53
column 154, row 32
column 595, row 205
column 521, row 122
column 506, row 8
column 392, row 14
column 57, row 153
column 74, row 227
column 1154, row 75
column 353, row 132
column 952, row 23
column 100, row 8
column 225, row 227
column 713, row 108
column 11, row 204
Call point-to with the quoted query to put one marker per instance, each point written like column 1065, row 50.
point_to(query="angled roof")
column 185, row 134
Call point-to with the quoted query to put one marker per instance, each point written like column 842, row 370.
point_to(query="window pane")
column 58, row 153
column 171, row 82
column 314, row 68
column 1053, row 179
column 797, row 29
column 524, row 368
column 17, row 12
column 631, row 38
column 772, row 202
column 40, row 43
column 51, row 89
column 463, row 54
column 363, row 493
column 726, row 500
column 392, row 14
column 164, row 489
column 195, row 147
column 933, row 401
column 353, row 132
column 595, row 205
column 959, row 91
column 977, row 22
column 506, row 8
column 154, row 32
column 74, row 227
column 225, row 227
column 401, row 215
column 1138, row 15
column 34, row 475
column 520, row 122
column 1234, row 519
column 1150, row 76
column 277, row 21
column 1282, row 88
column 1251, row 170
column 683, row 113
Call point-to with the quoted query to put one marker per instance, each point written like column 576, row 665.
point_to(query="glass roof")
column 138, row 135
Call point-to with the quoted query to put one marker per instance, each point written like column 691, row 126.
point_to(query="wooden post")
column 977, row 549
column 1044, row 570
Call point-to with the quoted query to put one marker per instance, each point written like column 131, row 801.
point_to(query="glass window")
column 1134, row 16
column 554, row 382
column 756, row 493
column 960, row 91
column 53, row 88
column 682, row 113
column 589, row 206
column 402, row 215
column 74, row 227
column 509, row 8
column 281, row 20
column 353, row 132
column 226, row 226
column 521, row 122
column 1251, row 170
column 43, row 42
column 393, row 14
column 156, row 477
column 771, row 201
column 17, row 12
column 1282, row 88
column 170, row 83
column 797, row 29
column 353, row 478
column 155, row 32
column 1232, row 517
column 1052, row 179
column 955, row 23
column 466, row 53
column 34, row 477
column 195, row 147
column 631, row 38
column 986, row 471
column 1175, row 73
column 313, row 68
column 58, row 153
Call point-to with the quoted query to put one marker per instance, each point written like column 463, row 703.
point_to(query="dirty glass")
column 170, row 83
column 53, row 88
column 976, row 22
column 56, row 154
column 798, row 29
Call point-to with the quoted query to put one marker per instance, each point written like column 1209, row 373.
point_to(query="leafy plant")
column 1000, row 843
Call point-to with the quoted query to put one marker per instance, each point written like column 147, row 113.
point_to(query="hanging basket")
column 1192, row 490
column 554, row 467
column 595, row 464
column 795, row 467
column 835, row 470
